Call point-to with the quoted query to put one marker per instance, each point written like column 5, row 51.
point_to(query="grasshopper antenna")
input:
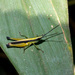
column 49, row 31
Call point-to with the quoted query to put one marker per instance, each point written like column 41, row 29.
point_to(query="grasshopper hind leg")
column 26, row 48
column 38, row 48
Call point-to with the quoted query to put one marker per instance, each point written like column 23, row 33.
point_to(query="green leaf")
column 32, row 18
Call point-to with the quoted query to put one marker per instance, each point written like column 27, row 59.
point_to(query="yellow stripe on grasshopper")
column 20, row 44
column 15, row 39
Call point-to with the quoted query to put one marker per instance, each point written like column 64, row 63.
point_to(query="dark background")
column 6, row 68
column 72, row 27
